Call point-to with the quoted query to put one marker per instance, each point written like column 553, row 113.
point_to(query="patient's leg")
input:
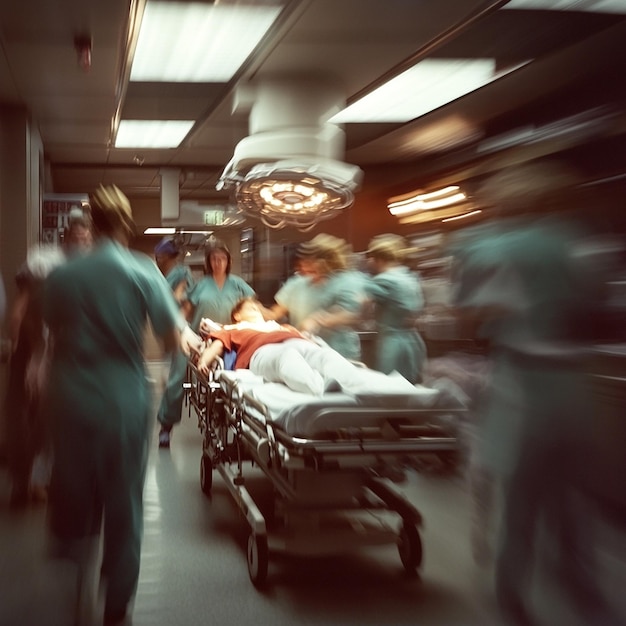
column 352, row 379
column 283, row 363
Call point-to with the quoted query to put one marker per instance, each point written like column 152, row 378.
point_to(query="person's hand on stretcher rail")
column 190, row 343
column 280, row 353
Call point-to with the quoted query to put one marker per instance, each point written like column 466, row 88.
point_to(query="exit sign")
column 214, row 217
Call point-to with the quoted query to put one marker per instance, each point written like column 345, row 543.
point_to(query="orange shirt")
column 245, row 341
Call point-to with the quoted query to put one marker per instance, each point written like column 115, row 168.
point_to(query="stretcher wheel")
column 258, row 559
column 206, row 474
column 410, row 547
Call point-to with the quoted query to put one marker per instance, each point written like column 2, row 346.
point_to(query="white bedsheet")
column 294, row 411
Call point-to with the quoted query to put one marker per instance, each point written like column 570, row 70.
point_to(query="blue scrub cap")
column 166, row 247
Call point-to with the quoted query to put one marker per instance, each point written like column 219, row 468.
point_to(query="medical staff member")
column 324, row 297
column 521, row 275
column 99, row 398
column 180, row 280
column 397, row 295
column 213, row 297
column 178, row 275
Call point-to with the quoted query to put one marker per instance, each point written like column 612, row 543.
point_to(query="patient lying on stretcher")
column 281, row 353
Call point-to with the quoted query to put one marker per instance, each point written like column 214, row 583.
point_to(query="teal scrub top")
column 210, row 301
column 398, row 298
column 343, row 289
column 528, row 269
column 178, row 274
column 96, row 307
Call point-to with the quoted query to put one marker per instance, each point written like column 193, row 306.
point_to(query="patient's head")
column 247, row 310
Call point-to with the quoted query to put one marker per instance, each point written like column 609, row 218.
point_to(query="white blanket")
column 295, row 412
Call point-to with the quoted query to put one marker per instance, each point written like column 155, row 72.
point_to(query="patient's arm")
column 213, row 350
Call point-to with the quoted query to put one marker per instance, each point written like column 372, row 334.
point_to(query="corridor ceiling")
column 568, row 97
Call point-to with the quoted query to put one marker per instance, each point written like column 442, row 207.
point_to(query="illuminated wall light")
column 427, row 201
column 438, row 193
column 460, row 217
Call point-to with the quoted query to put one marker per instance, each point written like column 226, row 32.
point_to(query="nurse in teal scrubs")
column 218, row 291
column 324, row 297
column 177, row 274
column 99, row 398
column 398, row 300
column 213, row 296
column 180, row 280
column 523, row 276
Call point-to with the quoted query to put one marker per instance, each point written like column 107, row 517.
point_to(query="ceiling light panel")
column 422, row 88
column 586, row 6
column 152, row 133
column 198, row 42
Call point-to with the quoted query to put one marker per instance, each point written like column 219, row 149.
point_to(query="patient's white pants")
column 311, row 368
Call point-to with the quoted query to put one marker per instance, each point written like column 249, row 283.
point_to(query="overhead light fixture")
column 198, row 42
column 586, row 6
column 411, row 203
column 290, row 194
column 426, row 86
column 288, row 171
column 152, row 133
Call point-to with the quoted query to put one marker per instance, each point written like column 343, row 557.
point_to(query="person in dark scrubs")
column 99, row 398
column 26, row 426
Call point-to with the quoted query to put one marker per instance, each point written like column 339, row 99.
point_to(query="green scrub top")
column 398, row 298
column 343, row 289
column 528, row 268
column 210, row 301
column 178, row 274
column 96, row 307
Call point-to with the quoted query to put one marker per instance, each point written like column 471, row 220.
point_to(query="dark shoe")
column 164, row 438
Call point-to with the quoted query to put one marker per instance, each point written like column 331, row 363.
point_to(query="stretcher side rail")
column 390, row 431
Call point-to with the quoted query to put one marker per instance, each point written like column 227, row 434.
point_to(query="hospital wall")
column 22, row 184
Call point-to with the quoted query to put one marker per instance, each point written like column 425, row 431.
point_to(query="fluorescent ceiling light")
column 157, row 230
column 198, row 42
column 422, row 88
column 170, row 230
column 152, row 133
column 587, row 6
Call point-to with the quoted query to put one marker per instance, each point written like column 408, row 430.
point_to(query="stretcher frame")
column 308, row 518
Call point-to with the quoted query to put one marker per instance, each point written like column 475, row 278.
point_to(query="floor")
column 194, row 563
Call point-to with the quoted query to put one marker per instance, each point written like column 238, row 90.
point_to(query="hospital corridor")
column 193, row 567
column 312, row 313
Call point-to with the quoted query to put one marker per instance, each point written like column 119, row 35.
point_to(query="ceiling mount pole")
column 170, row 193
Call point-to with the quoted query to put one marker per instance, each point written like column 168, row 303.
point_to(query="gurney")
column 328, row 459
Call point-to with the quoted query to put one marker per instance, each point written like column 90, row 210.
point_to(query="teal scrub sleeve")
column 161, row 306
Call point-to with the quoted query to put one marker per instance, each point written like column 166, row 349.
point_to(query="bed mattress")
column 305, row 415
